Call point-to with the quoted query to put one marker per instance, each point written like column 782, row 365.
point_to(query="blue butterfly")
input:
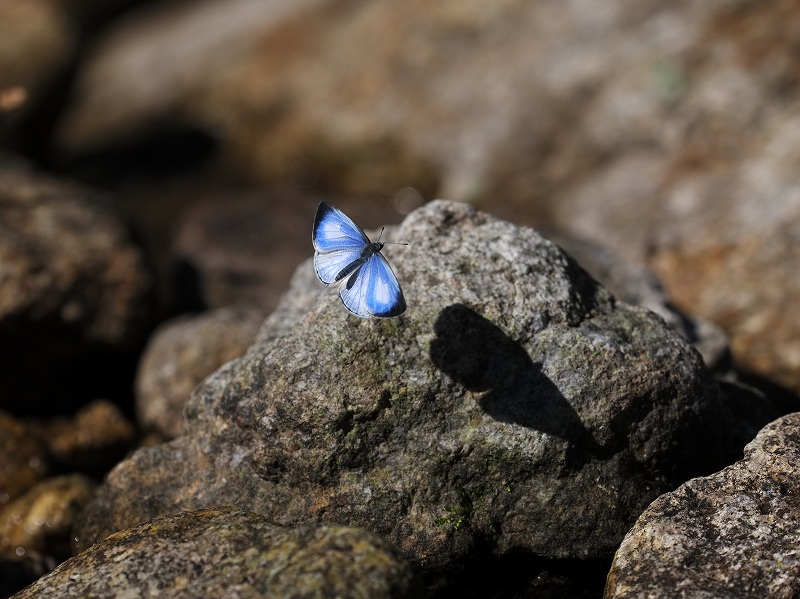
column 344, row 255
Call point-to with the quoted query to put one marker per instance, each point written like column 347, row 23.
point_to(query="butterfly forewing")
column 338, row 242
column 333, row 230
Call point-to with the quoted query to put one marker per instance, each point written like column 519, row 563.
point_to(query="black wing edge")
column 323, row 209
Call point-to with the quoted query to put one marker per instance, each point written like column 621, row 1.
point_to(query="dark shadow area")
column 519, row 575
column 32, row 130
column 166, row 152
column 782, row 398
column 188, row 289
column 481, row 357
column 17, row 574
column 48, row 369
column 753, row 402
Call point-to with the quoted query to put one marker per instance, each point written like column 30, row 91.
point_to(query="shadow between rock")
column 520, row 574
column 481, row 357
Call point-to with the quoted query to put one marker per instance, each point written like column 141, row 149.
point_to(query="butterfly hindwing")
column 330, row 264
column 373, row 290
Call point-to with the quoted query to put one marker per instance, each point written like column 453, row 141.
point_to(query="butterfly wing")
column 328, row 266
column 373, row 290
column 338, row 242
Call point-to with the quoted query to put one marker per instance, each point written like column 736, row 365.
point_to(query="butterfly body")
column 371, row 249
column 344, row 255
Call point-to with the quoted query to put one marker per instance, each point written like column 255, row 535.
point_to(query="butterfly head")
column 378, row 245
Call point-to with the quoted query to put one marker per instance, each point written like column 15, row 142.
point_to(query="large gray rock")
column 180, row 354
column 223, row 552
column 635, row 284
column 733, row 534
column 515, row 409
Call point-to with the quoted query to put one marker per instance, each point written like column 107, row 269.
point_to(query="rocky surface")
column 96, row 438
column 183, row 352
column 666, row 132
column 634, row 284
column 750, row 407
column 223, row 552
column 241, row 248
column 75, row 288
column 36, row 526
column 733, row 534
column 37, row 43
column 37, row 505
column 24, row 458
column 516, row 407
column 92, row 441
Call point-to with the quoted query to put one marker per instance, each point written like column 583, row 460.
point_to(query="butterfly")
column 344, row 255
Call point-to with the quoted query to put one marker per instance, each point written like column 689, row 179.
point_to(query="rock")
column 208, row 40
column 241, row 247
column 732, row 534
column 699, row 186
column 750, row 408
column 75, row 291
column 35, row 527
column 728, row 261
column 24, row 458
column 750, row 299
column 515, row 409
column 182, row 353
column 635, row 284
column 92, row 441
column 226, row 552
column 667, row 133
column 303, row 294
column 38, row 41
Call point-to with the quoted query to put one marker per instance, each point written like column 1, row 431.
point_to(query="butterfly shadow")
column 481, row 357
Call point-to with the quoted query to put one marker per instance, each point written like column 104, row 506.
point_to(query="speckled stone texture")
column 76, row 288
column 180, row 354
column 516, row 408
column 730, row 535
column 36, row 526
column 223, row 552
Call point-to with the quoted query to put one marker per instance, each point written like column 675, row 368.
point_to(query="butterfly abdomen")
column 369, row 250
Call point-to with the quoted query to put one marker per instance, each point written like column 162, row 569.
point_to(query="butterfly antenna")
column 391, row 242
